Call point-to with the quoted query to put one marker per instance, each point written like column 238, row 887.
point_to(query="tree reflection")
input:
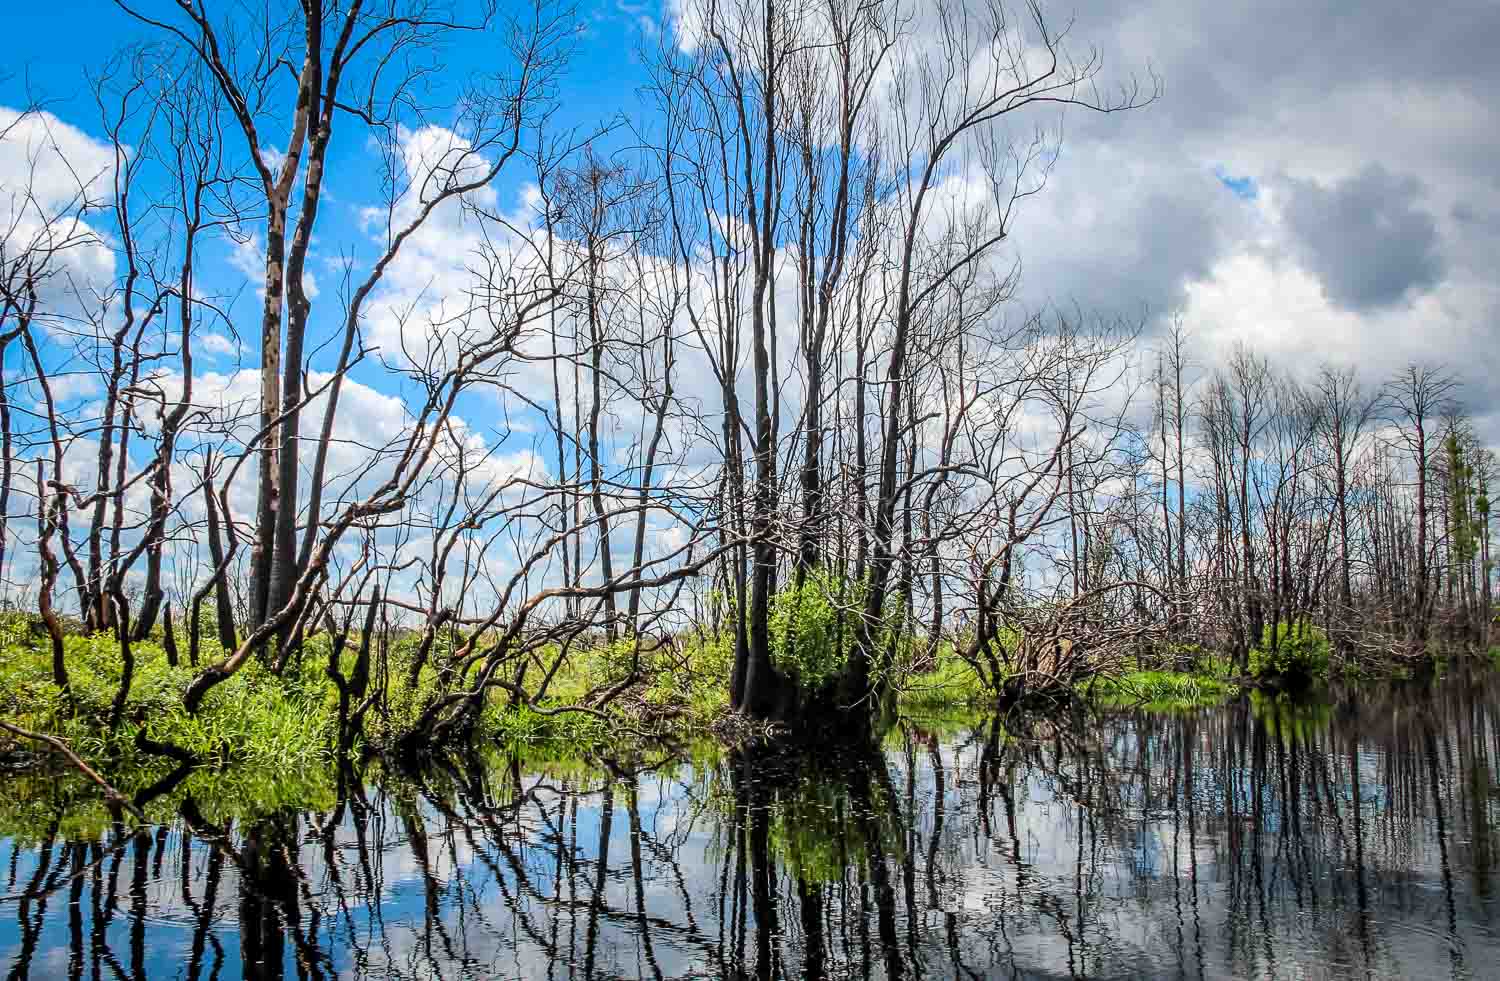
column 1256, row 839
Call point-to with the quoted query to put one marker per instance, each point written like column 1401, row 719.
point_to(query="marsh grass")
column 951, row 683
column 1159, row 690
column 289, row 722
column 253, row 718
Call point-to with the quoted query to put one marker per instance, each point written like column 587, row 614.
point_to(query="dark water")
column 1349, row 839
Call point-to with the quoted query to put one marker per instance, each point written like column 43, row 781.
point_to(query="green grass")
column 265, row 741
column 252, row 718
column 1216, row 666
column 1159, row 690
column 952, row 684
column 289, row 722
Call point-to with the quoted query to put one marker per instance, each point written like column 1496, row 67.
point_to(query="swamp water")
column 1355, row 837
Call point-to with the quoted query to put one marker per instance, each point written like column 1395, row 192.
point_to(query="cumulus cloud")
column 1371, row 146
column 50, row 172
column 217, row 344
column 1317, row 180
column 1366, row 238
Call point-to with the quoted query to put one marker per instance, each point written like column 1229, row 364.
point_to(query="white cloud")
column 50, row 175
column 217, row 344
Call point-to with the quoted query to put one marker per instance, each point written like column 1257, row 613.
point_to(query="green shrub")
column 809, row 633
column 1299, row 654
column 699, row 680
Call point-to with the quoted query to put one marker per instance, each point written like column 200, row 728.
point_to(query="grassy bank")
column 289, row 721
column 253, row 718
column 270, row 735
column 951, row 684
column 1159, row 690
column 262, row 742
column 952, row 688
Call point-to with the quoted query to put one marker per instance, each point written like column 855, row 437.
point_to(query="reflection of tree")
column 1231, row 841
column 529, row 848
column 822, row 830
column 275, row 903
column 203, row 911
column 32, row 906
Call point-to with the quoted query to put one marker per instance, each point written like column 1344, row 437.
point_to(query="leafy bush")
column 698, row 680
column 1298, row 653
column 809, row 633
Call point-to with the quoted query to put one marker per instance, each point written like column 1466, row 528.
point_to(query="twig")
column 110, row 793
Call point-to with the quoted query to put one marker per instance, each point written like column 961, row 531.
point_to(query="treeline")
column 1305, row 498
column 1362, row 508
column 752, row 358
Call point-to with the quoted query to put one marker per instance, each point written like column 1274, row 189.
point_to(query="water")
column 1352, row 838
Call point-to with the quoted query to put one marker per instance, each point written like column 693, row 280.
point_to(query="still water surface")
column 1353, row 838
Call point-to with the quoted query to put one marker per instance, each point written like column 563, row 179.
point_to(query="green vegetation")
column 1298, row 654
column 288, row 723
column 809, row 634
column 950, row 683
column 1159, row 690
column 264, row 739
column 1199, row 660
column 263, row 742
column 254, row 718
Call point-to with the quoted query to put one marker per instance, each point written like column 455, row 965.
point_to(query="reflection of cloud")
column 1146, row 846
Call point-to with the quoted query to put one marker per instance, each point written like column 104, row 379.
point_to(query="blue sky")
column 1148, row 209
column 1333, row 201
column 600, row 87
column 96, row 29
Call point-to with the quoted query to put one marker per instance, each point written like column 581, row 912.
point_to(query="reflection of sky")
column 1112, row 871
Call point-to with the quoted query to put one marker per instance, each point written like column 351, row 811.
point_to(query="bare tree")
column 1417, row 399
